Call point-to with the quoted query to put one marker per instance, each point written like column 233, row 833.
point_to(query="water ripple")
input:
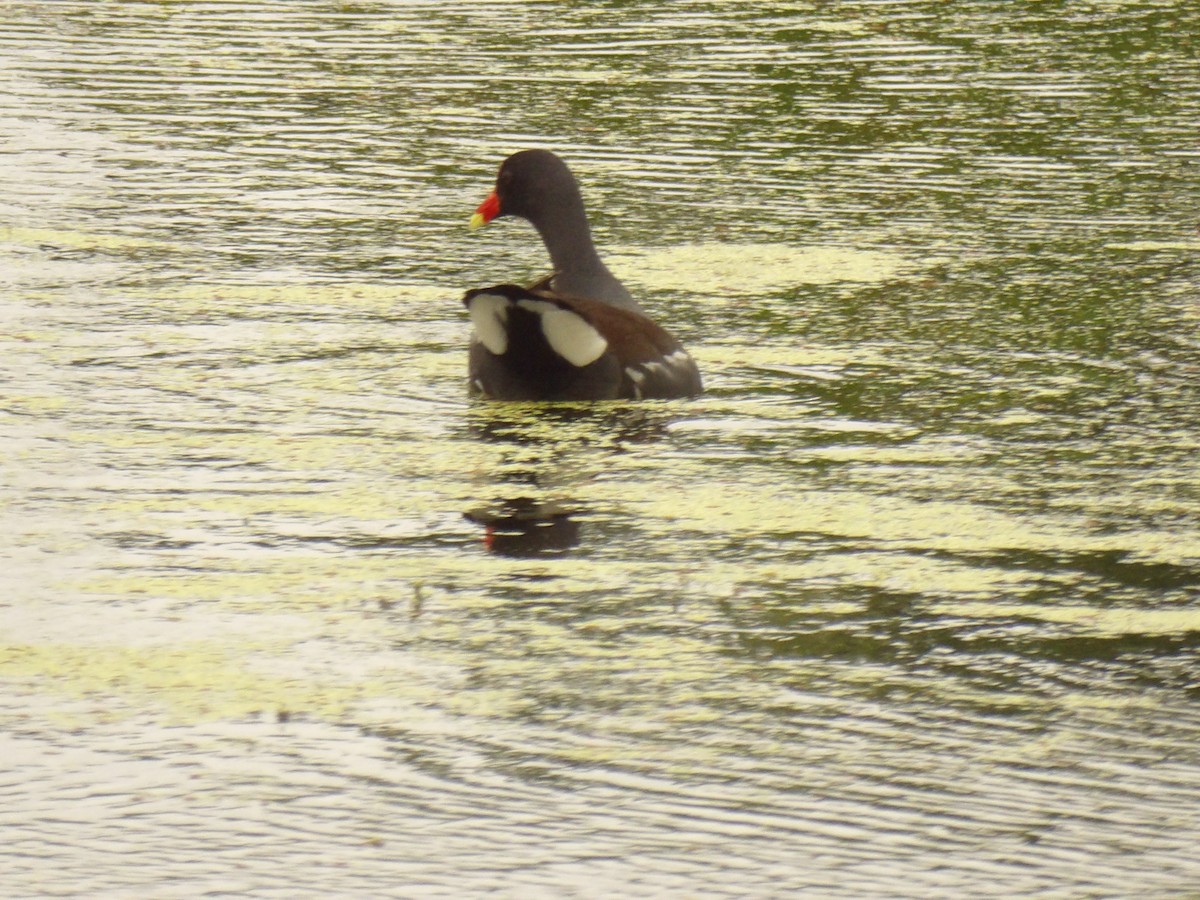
column 908, row 596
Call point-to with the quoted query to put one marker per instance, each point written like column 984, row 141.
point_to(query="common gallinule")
column 576, row 334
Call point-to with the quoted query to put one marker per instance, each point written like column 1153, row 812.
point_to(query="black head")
column 536, row 184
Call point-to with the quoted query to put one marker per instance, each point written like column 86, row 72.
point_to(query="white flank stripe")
column 489, row 316
column 678, row 359
column 571, row 337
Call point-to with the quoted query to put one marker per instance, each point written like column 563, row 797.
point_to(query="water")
column 905, row 605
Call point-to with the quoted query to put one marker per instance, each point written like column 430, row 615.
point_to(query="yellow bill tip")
column 477, row 221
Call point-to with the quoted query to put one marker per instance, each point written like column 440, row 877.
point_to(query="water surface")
column 905, row 604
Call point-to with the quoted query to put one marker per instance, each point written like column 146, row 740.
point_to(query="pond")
column 906, row 604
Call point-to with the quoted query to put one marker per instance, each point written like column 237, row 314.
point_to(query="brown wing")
column 653, row 363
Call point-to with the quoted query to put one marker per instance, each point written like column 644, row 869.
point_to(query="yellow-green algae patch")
column 183, row 682
column 719, row 268
column 38, row 404
column 362, row 295
column 1153, row 246
column 315, row 581
column 901, row 522
column 78, row 240
column 1088, row 619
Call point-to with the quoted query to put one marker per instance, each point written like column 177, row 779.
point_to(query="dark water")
column 905, row 605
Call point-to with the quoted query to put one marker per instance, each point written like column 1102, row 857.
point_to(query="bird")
column 576, row 334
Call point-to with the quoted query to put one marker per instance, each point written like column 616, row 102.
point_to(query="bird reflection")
column 555, row 424
column 525, row 527
column 543, row 455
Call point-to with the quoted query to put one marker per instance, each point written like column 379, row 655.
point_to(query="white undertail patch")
column 489, row 317
column 571, row 336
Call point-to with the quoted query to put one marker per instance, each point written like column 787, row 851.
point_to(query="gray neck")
column 578, row 269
